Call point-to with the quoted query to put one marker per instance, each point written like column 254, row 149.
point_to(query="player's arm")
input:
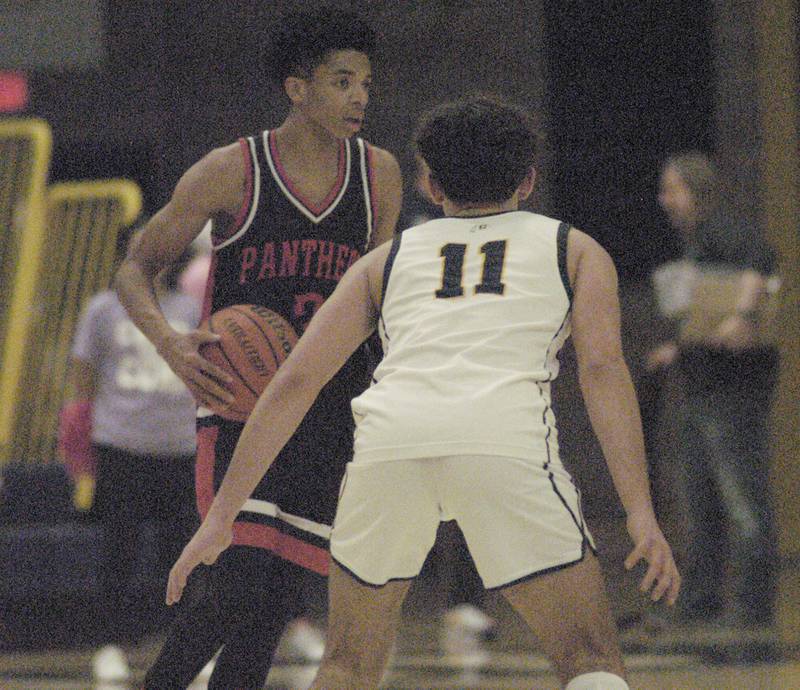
column 213, row 188
column 343, row 322
column 613, row 408
column 388, row 195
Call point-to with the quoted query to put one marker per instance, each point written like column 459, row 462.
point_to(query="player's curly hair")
column 303, row 40
column 479, row 148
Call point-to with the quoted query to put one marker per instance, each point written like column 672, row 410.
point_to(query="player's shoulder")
column 225, row 159
column 382, row 160
column 583, row 244
column 587, row 257
column 218, row 178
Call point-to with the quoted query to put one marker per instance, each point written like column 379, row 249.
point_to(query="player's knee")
column 597, row 680
column 588, row 651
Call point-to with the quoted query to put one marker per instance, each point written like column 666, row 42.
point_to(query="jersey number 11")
column 494, row 254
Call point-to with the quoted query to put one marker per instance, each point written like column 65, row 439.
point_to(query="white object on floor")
column 468, row 617
column 303, row 641
column 110, row 665
column 462, row 638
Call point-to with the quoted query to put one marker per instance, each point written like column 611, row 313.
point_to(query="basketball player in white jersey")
column 472, row 309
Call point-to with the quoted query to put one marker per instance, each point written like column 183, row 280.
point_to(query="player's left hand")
column 662, row 577
column 205, row 547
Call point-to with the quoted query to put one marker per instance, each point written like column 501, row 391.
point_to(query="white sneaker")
column 304, row 641
column 110, row 665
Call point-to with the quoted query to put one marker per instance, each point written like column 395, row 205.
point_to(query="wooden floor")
column 676, row 658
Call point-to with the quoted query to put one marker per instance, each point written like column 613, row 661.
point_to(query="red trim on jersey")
column 315, row 209
column 204, row 468
column 244, row 209
column 373, row 202
column 289, row 548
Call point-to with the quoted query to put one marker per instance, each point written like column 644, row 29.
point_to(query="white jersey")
column 474, row 312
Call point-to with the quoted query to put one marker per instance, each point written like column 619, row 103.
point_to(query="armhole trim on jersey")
column 368, row 182
column 387, row 270
column 209, row 290
column 561, row 241
column 247, row 212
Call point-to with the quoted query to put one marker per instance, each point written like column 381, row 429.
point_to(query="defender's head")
column 479, row 150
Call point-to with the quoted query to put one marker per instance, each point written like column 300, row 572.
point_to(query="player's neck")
column 304, row 139
column 465, row 210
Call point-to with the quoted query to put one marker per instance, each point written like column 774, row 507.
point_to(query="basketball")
column 254, row 342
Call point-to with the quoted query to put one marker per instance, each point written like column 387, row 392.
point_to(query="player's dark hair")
column 303, row 41
column 479, row 149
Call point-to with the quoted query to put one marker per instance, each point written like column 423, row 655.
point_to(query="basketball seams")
column 267, row 339
column 224, row 354
column 260, row 340
column 240, row 374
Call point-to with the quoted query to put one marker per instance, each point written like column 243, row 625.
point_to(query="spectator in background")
column 729, row 376
column 130, row 430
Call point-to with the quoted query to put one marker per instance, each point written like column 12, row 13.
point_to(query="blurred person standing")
column 130, row 428
column 714, row 297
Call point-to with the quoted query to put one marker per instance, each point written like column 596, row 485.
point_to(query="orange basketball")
column 254, row 342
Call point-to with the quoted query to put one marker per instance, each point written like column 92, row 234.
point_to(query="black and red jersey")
column 286, row 254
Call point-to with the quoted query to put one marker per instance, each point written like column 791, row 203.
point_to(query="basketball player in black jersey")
column 292, row 209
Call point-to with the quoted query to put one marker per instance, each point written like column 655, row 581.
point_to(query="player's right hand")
column 662, row 578
column 210, row 540
column 203, row 378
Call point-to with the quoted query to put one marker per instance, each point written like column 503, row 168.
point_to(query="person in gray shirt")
column 129, row 430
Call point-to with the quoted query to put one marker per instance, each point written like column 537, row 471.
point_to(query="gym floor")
column 658, row 659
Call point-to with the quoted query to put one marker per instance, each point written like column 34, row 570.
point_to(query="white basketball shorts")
column 519, row 519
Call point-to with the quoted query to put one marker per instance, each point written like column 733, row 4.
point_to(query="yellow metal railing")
column 25, row 149
column 84, row 220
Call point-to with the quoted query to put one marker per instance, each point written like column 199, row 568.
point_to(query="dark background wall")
column 616, row 86
column 627, row 84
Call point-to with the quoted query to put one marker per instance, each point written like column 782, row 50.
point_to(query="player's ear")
column 526, row 186
column 421, row 183
column 295, row 88
column 435, row 192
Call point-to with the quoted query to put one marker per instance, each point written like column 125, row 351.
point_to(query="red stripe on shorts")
column 289, row 548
